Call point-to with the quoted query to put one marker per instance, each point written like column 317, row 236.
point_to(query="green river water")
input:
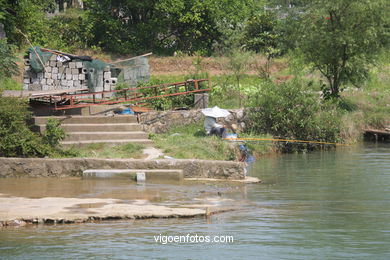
column 321, row 205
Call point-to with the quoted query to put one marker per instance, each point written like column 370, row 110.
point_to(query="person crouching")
column 213, row 128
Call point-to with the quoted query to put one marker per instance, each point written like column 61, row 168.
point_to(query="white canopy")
column 215, row 112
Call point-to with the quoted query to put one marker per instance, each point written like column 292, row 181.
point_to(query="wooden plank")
column 376, row 131
column 34, row 94
column 58, row 92
column 143, row 55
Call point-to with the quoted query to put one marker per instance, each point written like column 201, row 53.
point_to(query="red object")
column 129, row 95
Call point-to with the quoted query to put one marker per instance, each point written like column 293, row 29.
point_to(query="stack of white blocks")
column 56, row 75
column 64, row 75
column 109, row 82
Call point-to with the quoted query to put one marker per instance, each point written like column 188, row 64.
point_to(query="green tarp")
column 95, row 73
column 35, row 63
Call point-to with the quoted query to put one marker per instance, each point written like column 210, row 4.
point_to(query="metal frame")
column 133, row 96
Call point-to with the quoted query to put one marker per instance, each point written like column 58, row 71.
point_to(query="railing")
column 69, row 101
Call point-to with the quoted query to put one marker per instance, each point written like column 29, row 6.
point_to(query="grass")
column 191, row 141
column 10, row 84
column 101, row 150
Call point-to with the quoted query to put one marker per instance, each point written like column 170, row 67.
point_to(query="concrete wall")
column 73, row 167
column 161, row 121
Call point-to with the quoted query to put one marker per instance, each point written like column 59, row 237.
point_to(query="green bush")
column 8, row 66
column 261, row 34
column 16, row 139
column 190, row 141
column 164, row 103
column 10, row 84
column 292, row 111
column 54, row 133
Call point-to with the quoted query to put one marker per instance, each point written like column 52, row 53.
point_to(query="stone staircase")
column 116, row 129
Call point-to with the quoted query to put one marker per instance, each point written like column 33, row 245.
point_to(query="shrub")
column 16, row 139
column 291, row 111
column 8, row 66
column 54, row 133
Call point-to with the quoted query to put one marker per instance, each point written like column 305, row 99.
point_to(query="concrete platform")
column 20, row 211
column 157, row 174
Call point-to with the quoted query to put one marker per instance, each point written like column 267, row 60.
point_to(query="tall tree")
column 341, row 39
column 27, row 16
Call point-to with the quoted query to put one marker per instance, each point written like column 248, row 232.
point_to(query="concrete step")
column 121, row 127
column 76, row 136
column 154, row 174
column 145, row 142
column 117, row 119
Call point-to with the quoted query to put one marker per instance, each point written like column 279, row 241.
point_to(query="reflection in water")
column 325, row 205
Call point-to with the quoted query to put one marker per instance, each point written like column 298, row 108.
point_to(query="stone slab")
column 164, row 175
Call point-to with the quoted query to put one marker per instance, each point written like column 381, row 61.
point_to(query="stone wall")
column 162, row 121
column 73, row 167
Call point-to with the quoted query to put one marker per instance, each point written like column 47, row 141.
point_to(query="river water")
column 321, row 205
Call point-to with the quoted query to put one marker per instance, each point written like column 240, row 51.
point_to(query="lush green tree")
column 123, row 26
column 238, row 65
column 341, row 39
column 286, row 3
column 261, row 34
column 291, row 111
column 8, row 66
column 28, row 16
column 130, row 26
column 16, row 138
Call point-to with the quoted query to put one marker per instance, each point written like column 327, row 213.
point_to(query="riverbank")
column 74, row 167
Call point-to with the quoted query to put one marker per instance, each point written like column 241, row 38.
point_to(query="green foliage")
column 179, row 101
column 69, row 31
column 291, row 111
column 66, row 31
column 342, row 38
column 16, row 139
column 162, row 26
column 8, row 66
column 54, row 133
column 190, row 141
column 163, row 103
column 102, row 150
column 238, row 64
column 10, row 84
column 186, row 142
column 261, row 34
column 27, row 16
